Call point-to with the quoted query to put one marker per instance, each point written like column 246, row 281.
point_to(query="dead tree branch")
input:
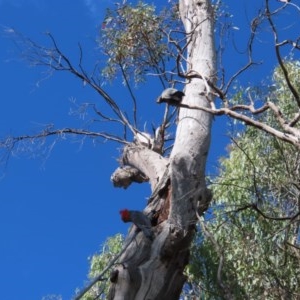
column 269, row 15
column 9, row 144
column 292, row 136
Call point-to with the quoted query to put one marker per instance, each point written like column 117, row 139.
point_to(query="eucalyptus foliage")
column 99, row 262
column 252, row 234
column 136, row 39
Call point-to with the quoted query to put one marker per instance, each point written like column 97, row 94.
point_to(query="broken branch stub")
column 124, row 176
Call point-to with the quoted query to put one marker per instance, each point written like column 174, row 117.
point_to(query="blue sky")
column 56, row 210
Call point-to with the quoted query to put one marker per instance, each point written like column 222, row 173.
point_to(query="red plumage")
column 141, row 221
column 125, row 215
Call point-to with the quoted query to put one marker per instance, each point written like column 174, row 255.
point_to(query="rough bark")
column 153, row 269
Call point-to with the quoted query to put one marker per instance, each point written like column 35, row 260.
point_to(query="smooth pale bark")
column 153, row 269
column 188, row 158
column 147, row 161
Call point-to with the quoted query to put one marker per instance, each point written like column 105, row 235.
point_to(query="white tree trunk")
column 153, row 269
column 188, row 158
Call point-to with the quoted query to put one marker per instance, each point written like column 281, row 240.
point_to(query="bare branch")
column 284, row 124
column 292, row 136
column 10, row 143
column 294, row 44
column 55, row 59
column 293, row 90
column 260, row 212
column 295, row 120
column 254, row 26
column 131, row 94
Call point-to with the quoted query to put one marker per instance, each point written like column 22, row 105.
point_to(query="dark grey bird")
column 170, row 96
column 141, row 221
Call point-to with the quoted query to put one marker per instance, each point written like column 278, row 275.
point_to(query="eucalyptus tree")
column 176, row 46
column 153, row 269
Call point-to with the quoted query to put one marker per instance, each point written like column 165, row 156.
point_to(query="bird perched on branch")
column 139, row 219
column 170, row 96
